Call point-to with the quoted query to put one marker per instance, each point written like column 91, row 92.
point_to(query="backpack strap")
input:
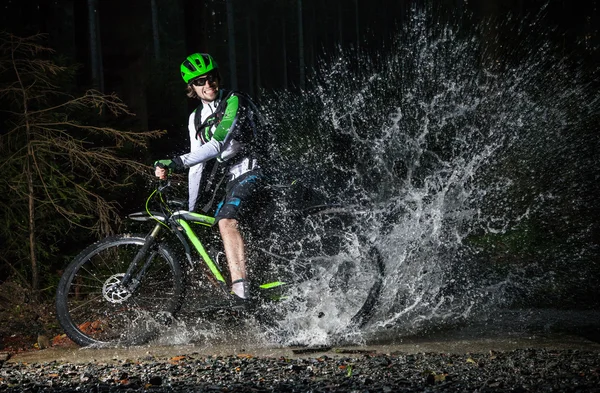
column 213, row 118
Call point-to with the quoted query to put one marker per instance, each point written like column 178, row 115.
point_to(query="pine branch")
column 57, row 163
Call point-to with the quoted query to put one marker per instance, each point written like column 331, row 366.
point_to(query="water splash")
column 438, row 150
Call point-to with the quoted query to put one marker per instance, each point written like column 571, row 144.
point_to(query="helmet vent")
column 206, row 59
column 187, row 64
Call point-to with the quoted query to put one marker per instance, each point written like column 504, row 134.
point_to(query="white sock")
column 240, row 288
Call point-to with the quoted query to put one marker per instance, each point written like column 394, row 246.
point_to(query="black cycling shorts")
column 240, row 195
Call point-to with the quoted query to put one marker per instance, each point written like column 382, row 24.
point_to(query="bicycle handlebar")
column 163, row 184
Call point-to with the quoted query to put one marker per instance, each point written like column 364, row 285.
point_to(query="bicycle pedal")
column 240, row 305
column 232, row 303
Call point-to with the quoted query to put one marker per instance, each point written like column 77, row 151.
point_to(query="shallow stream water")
column 464, row 163
column 504, row 332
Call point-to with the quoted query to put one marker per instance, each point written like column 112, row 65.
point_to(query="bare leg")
column 234, row 248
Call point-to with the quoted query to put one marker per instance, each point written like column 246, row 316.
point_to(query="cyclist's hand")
column 163, row 168
column 161, row 173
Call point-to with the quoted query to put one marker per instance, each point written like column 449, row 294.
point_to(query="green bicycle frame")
column 191, row 235
column 180, row 222
column 201, row 219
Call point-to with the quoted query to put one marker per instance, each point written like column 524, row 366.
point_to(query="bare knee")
column 228, row 225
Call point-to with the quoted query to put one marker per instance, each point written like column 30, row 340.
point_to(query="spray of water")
column 438, row 150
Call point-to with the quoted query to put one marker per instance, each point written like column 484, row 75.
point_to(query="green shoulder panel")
column 228, row 118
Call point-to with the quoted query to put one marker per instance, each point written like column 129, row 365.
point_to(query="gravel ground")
column 521, row 370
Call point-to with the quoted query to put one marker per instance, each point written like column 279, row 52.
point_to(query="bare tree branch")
column 56, row 163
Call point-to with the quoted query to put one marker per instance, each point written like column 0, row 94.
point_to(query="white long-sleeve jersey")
column 223, row 149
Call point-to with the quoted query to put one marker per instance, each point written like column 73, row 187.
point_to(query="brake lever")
column 164, row 184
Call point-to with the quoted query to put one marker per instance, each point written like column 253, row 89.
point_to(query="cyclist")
column 221, row 128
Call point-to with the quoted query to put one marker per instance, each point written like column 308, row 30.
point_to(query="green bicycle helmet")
column 197, row 64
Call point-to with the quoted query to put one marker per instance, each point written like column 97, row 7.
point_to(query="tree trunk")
column 301, row 46
column 310, row 33
column 257, row 52
column 356, row 26
column 284, row 71
column 249, row 60
column 231, row 39
column 95, row 46
column 99, row 51
column 340, row 23
column 35, row 275
column 155, row 34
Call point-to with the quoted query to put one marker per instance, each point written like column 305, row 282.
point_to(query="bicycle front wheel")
column 94, row 307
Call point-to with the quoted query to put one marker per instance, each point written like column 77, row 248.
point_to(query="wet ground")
column 533, row 351
column 74, row 354
column 503, row 331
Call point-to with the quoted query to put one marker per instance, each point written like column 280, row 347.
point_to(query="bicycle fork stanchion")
column 128, row 277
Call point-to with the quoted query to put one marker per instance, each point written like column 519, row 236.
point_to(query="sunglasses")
column 202, row 80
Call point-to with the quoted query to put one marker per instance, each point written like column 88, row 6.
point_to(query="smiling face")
column 206, row 87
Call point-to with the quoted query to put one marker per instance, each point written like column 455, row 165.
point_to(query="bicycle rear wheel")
column 369, row 302
column 94, row 308
column 344, row 267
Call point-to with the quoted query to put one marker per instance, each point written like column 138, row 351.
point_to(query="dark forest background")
column 134, row 47
column 131, row 51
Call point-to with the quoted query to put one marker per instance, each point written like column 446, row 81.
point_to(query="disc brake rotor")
column 113, row 291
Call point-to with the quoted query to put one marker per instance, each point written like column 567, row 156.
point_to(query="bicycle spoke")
column 97, row 308
column 86, row 303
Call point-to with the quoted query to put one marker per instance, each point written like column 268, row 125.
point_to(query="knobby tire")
column 92, row 307
column 364, row 314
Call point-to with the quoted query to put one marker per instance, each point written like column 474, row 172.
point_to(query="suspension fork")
column 130, row 280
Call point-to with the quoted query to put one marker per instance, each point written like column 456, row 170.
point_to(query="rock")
column 531, row 370
column 43, row 341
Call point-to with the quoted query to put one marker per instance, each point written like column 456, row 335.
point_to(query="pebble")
column 531, row 370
